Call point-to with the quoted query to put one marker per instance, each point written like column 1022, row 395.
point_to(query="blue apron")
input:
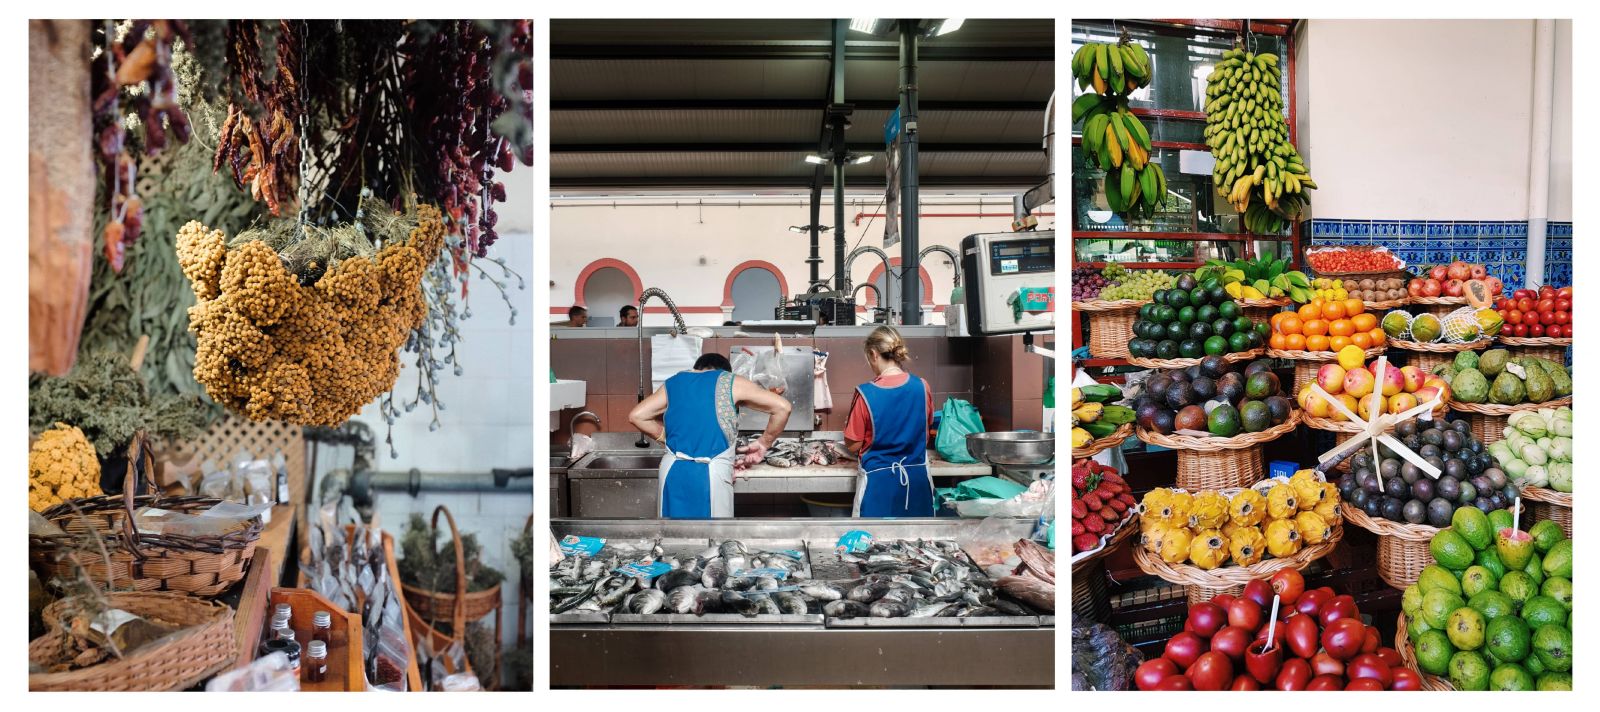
column 697, row 472
column 893, row 480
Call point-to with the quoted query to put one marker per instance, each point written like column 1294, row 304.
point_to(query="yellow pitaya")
column 1174, row 545
column 1283, row 538
column 1282, row 502
column 1209, row 511
column 1247, row 545
column 1247, row 508
column 1208, row 549
column 1330, row 508
column 1313, row 529
column 1308, row 490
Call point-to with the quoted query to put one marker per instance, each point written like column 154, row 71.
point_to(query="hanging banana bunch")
column 1257, row 168
column 1116, row 138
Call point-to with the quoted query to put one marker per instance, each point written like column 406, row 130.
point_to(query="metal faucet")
column 644, row 373
column 955, row 261
column 572, row 426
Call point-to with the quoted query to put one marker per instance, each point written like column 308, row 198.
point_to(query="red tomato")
column 1390, row 656
column 1223, row 600
column 1532, row 317
column 1565, row 292
column 1288, row 584
column 1205, row 619
column 1519, row 329
column 1244, row 614
column 1184, row 648
column 1343, row 638
column 1150, row 673
column 1372, row 641
column 1325, row 683
column 1301, row 635
column 1364, row 684
column 1522, row 294
column 1563, row 317
column 1513, row 316
column 1232, row 641
column 1406, row 680
column 1258, row 591
column 1212, row 671
column 1371, row 666
column 1245, row 683
column 1535, row 330
column 1563, row 304
column 1324, row 664
column 1294, row 675
column 1175, row 683
column 1526, row 304
column 1546, row 291
column 1343, row 606
column 1310, row 602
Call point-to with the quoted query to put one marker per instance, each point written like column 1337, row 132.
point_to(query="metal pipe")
column 572, row 425
column 415, row 481
column 955, row 261
column 644, row 373
column 1544, row 52
column 840, row 273
column 875, row 292
column 910, row 283
column 851, row 260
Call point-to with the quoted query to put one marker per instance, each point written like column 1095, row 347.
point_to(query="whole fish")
column 712, row 550
column 593, row 570
column 1009, row 608
column 764, row 583
column 844, row 609
column 576, row 599
column 821, row 591
column 929, row 610
column 739, row 603
column 685, row 599
column 868, row 592
column 614, row 588
column 646, row 602
column 767, row 606
column 676, row 578
column 982, row 612
column 733, row 547
column 715, row 573
column 898, row 594
column 888, row 608
column 791, row 603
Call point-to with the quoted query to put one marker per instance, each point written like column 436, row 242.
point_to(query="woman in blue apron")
column 888, row 429
column 696, row 414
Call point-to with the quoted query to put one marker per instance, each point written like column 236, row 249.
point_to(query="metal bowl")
column 1012, row 449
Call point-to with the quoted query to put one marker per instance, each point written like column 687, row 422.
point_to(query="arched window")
column 890, row 288
column 753, row 290
column 604, row 286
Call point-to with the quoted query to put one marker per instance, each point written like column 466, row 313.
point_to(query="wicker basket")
column 440, row 606
column 1402, row 548
column 1262, row 309
column 1201, row 594
column 1171, row 363
column 1125, row 529
column 202, row 648
column 1110, row 324
column 1342, row 430
column 1224, row 579
column 1095, row 447
column 1219, row 463
column 1402, row 645
column 1090, row 601
column 1549, row 504
column 1489, row 420
column 1386, row 304
column 1438, row 306
column 201, row 566
column 1427, row 356
column 1307, row 363
column 1539, row 347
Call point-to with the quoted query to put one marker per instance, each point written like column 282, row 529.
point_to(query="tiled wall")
column 1005, row 380
column 1498, row 244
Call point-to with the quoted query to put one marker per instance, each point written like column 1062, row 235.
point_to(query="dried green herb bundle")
column 427, row 564
column 105, row 398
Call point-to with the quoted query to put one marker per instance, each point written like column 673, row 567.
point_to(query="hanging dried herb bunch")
column 300, row 323
column 131, row 76
column 258, row 143
column 106, row 399
column 426, row 563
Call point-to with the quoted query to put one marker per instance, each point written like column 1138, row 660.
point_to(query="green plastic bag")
column 957, row 419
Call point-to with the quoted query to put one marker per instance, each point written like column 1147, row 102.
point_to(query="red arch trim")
column 600, row 264
column 727, row 287
column 871, row 299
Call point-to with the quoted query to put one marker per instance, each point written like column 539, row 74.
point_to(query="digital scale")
column 1010, row 282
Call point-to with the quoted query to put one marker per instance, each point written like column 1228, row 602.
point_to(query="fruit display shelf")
column 1260, row 309
column 1216, row 462
column 1438, row 306
column 1082, row 562
column 1170, row 363
column 1428, row 355
column 1549, row 504
column 1342, row 430
column 1489, row 419
column 1095, row 447
column 1204, row 584
column 1408, row 655
column 1402, row 548
column 1306, row 363
column 1544, row 347
column 1110, row 324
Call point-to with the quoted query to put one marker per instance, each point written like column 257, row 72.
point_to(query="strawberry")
column 1118, row 505
column 1084, row 542
column 1092, row 502
column 1079, row 509
column 1077, row 527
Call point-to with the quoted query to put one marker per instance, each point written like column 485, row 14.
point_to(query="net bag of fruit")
column 1461, row 326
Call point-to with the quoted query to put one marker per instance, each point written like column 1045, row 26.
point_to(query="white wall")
column 1561, row 134
column 688, row 250
column 1427, row 119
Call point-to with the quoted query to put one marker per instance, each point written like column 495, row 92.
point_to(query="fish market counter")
column 950, row 626
column 840, row 477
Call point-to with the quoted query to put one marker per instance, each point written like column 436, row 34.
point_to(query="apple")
column 1439, row 273
column 1413, row 378
column 1453, row 287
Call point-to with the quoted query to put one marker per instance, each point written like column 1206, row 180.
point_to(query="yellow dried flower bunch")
column 61, row 466
column 270, row 348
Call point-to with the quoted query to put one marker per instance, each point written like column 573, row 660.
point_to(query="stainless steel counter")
column 606, row 650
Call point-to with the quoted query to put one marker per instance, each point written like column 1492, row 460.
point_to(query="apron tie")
column 702, row 460
column 898, row 467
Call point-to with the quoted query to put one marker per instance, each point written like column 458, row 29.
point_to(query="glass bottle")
column 316, row 663
column 280, row 626
column 322, row 627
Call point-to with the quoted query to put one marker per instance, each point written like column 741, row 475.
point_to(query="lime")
column 1433, row 652
column 1469, row 671
column 1510, row 677
column 1507, row 638
column 1465, row 628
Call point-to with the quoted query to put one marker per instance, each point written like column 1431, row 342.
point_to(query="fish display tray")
column 931, row 622
column 714, row 619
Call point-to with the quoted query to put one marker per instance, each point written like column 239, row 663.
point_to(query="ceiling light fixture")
column 816, row 159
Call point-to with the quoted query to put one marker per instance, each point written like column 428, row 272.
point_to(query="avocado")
column 1261, row 384
column 1187, row 282
column 1200, row 330
column 1255, row 416
column 1214, row 366
column 1219, row 295
column 1186, row 315
column 1257, row 366
column 1207, row 313
column 1167, row 348
column 1216, row 346
column 1177, row 299
column 1507, row 389
column 1145, row 414
column 1230, row 387
column 1177, row 330
column 1280, row 408
column 1199, row 297
column 1190, row 418
column 1228, row 309
column 1162, row 422
column 1224, row 421
column 1205, row 388
column 1239, row 342
column 1191, row 348
column 1180, row 395
column 1222, row 327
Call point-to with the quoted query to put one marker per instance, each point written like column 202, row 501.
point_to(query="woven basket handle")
column 458, row 624
column 138, row 451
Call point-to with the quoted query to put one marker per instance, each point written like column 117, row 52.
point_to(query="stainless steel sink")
column 558, row 462
column 623, row 462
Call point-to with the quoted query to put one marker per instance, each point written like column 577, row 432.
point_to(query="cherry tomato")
column 1211, row 671
column 1184, row 648
column 1288, row 584
column 1519, row 329
column 1513, row 316
column 1546, row 291
column 1364, row 684
column 1526, row 304
column 1175, row 683
column 1535, row 330
column 1563, row 317
column 1533, row 317
column 1150, row 673
column 1294, row 675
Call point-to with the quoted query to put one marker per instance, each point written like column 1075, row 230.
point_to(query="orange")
column 1378, row 337
column 1338, row 342
column 1291, row 324
column 1341, row 327
column 1278, row 319
column 1295, row 342
column 1311, row 310
column 1362, row 340
column 1364, row 321
column 1277, row 341
column 1315, row 327
column 1333, row 310
column 1316, row 343
column 1353, row 306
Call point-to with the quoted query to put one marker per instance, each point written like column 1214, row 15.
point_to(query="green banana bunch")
column 1119, row 142
column 1257, row 168
column 1111, row 68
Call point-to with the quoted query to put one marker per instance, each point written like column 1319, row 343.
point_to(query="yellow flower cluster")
column 1209, row 529
column 61, row 466
column 269, row 348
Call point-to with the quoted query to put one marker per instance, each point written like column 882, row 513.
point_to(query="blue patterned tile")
column 1465, row 229
column 1322, row 228
column 1517, row 229
column 1438, row 229
column 1385, row 228
column 1412, row 228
